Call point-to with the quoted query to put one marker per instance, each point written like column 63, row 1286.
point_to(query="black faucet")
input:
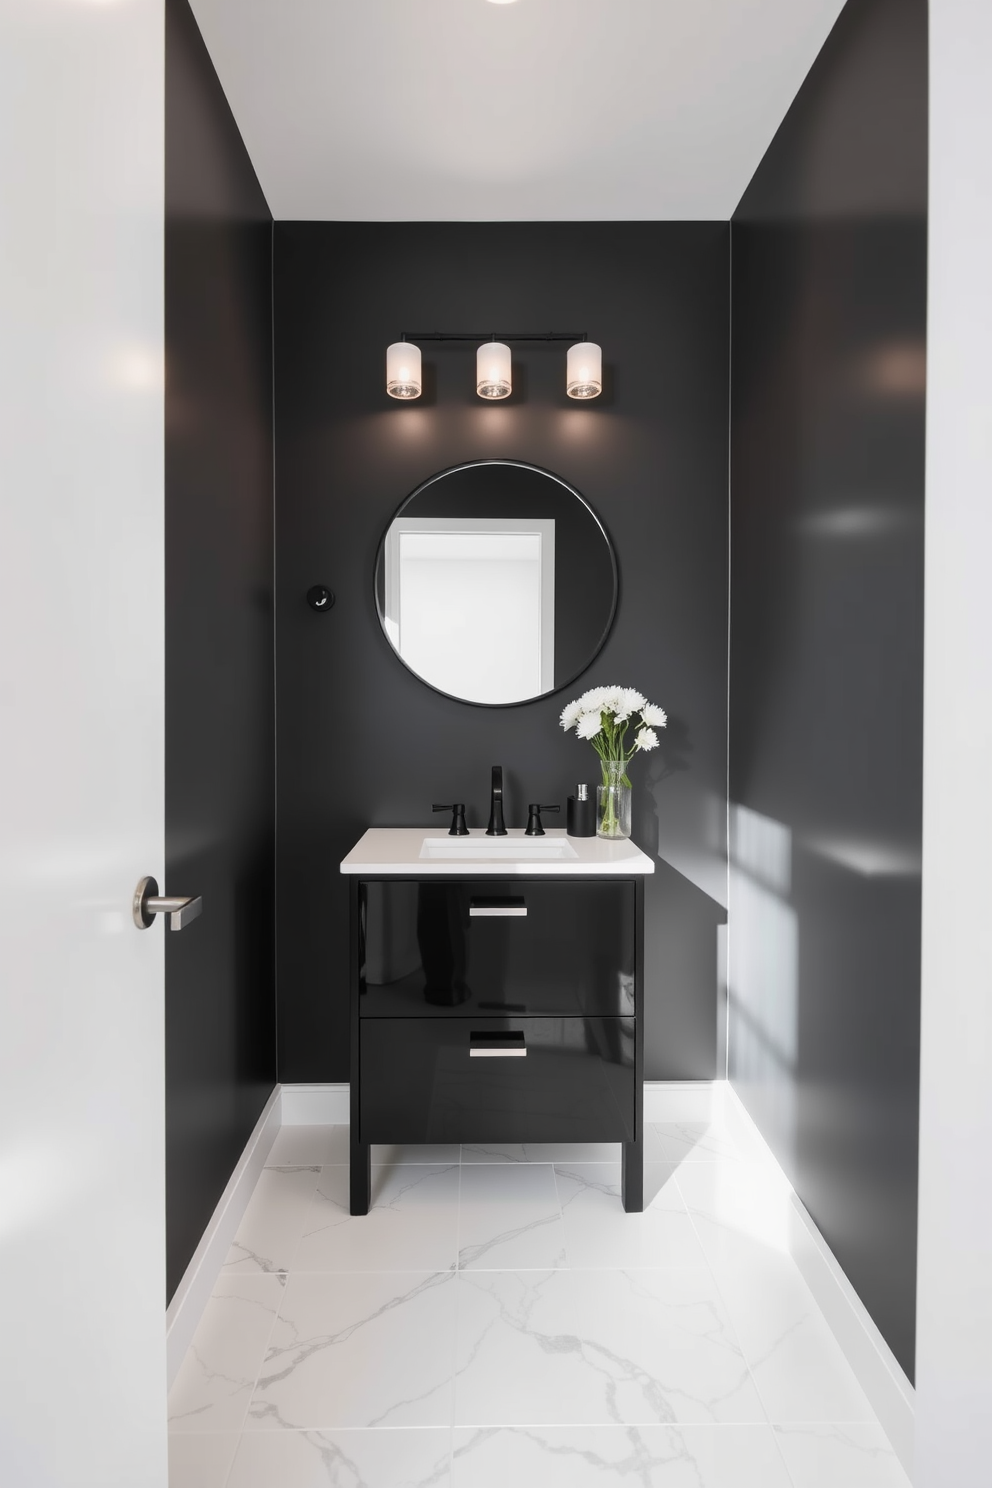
column 458, row 827
column 496, row 827
column 534, row 825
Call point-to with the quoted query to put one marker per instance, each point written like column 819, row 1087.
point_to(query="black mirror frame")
column 519, row 465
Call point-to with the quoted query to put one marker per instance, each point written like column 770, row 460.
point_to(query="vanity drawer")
column 481, row 947
column 461, row 1079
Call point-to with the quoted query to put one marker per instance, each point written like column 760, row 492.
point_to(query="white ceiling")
column 364, row 110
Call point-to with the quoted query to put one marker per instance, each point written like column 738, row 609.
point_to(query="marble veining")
column 597, row 1346
column 599, row 1234
column 343, row 1459
column 412, row 1224
column 509, row 1217
column 593, row 1456
column 359, row 1350
column 853, row 1454
column 270, row 1230
column 497, row 1319
column 217, row 1376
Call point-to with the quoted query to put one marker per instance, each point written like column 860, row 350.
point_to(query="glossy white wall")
column 954, row 1363
column 81, row 748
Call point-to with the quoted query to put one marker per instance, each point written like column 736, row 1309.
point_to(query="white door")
column 82, row 1306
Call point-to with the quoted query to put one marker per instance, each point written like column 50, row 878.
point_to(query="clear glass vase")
column 613, row 801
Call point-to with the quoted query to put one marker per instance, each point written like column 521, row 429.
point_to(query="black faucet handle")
column 458, row 827
column 534, row 827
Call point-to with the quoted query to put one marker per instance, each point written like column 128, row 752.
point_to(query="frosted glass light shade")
column 584, row 374
column 403, row 379
column 492, row 370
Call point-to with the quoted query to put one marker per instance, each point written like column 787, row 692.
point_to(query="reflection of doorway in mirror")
column 470, row 604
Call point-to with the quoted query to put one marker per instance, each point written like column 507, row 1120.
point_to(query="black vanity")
column 496, row 983
column 496, row 994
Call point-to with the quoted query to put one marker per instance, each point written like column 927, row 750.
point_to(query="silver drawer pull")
column 497, row 1046
column 497, row 908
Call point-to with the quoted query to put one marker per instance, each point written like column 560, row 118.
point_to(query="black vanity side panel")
column 361, row 741
column 220, row 788
column 829, row 326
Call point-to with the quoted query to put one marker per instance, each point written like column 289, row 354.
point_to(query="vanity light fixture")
column 493, row 373
column 584, row 376
column 403, row 375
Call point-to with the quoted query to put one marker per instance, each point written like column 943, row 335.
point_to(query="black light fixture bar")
column 494, row 336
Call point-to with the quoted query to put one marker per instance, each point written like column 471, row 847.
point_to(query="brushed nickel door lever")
column 148, row 903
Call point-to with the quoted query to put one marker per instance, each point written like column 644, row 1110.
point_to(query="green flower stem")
column 610, row 745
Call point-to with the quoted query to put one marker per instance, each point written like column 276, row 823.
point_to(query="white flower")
column 628, row 700
column 589, row 725
column 652, row 714
column 571, row 715
column 646, row 739
column 595, row 700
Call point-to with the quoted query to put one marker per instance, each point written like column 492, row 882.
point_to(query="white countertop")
column 384, row 850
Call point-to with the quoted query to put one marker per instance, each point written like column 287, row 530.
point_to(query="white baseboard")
column 876, row 1367
column 193, row 1292
column 678, row 1100
column 315, row 1105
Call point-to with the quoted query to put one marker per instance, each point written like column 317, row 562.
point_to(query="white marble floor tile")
column 599, row 1233
column 844, row 1456
column 359, row 1349
column 653, row 1150
column 493, row 1152
column 741, row 1209
column 411, row 1226
column 343, row 1459
column 621, row 1456
column 308, row 1147
column 797, row 1364
column 217, row 1376
column 661, row 1189
column 515, row 1152
column 438, row 1153
column 697, row 1141
column 200, row 1460
column 509, row 1217
column 597, row 1347
column 269, row 1233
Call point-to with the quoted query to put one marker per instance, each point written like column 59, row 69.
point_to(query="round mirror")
column 496, row 582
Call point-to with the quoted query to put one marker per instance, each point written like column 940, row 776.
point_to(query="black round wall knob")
column 320, row 598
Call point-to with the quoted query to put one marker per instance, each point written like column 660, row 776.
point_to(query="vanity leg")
column 632, row 1177
column 361, row 1177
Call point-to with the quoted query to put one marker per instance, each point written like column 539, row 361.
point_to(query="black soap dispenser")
column 580, row 817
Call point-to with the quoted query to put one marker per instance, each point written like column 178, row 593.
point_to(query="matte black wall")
column 829, row 320
column 220, row 787
column 361, row 741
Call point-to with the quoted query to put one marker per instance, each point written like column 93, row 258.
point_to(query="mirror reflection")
column 496, row 582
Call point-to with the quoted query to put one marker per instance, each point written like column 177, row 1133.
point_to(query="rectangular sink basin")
column 498, row 849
